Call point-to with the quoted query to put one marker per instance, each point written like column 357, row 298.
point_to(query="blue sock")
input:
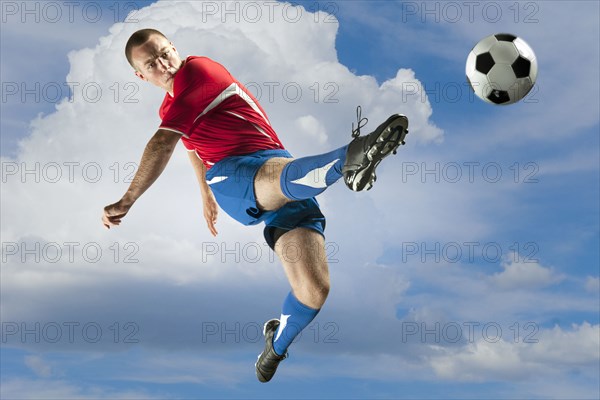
column 307, row 177
column 295, row 316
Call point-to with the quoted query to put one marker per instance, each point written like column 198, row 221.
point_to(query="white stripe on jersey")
column 233, row 89
column 236, row 115
column 173, row 130
column 258, row 128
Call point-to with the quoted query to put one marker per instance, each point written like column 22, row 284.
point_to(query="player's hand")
column 211, row 210
column 113, row 213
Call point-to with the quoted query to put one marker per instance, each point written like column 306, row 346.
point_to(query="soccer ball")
column 501, row 69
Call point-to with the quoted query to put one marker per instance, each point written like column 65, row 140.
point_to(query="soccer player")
column 242, row 166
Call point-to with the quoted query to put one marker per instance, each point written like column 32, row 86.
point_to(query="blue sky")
column 483, row 286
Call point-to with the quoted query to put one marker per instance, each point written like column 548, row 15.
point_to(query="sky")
column 470, row 270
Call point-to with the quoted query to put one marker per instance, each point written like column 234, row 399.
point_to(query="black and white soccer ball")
column 501, row 69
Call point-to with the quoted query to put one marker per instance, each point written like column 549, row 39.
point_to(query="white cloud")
column 311, row 128
column 578, row 346
column 521, row 273
column 515, row 360
column 480, row 361
column 38, row 365
column 592, row 284
column 187, row 367
column 468, row 292
column 47, row 32
column 27, row 389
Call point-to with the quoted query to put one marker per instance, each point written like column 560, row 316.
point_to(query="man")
column 242, row 166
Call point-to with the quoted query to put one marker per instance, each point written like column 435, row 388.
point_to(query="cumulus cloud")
column 38, row 366
column 578, row 346
column 520, row 273
column 592, row 284
column 520, row 360
column 61, row 389
column 480, row 361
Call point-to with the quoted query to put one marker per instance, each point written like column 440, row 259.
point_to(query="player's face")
column 157, row 61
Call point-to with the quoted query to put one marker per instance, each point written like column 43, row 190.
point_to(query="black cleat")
column 366, row 152
column 268, row 360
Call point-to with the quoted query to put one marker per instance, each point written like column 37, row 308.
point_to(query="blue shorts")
column 232, row 183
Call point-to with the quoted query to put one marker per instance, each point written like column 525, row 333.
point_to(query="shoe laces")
column 361, row 122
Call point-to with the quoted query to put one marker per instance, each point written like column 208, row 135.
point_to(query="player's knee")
column 320, row 290
column 324, row 291
column 271, row 169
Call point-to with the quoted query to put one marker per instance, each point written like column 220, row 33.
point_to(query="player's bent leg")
column 284, row 180
column 302, row 253
column 266, row 184
column 281, row 180
column 307, row 177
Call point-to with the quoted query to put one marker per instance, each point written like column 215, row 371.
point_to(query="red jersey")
column 215, row 114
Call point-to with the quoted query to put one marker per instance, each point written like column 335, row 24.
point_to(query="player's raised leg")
column 282, row 180
column 302, row 253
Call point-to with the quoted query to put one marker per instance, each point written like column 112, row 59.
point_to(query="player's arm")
column 210, row 207
column 156, row 155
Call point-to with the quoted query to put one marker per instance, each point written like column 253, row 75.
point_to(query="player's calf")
column 302, row 253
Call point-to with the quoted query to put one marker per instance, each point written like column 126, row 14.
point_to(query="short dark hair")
column 137, row 39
